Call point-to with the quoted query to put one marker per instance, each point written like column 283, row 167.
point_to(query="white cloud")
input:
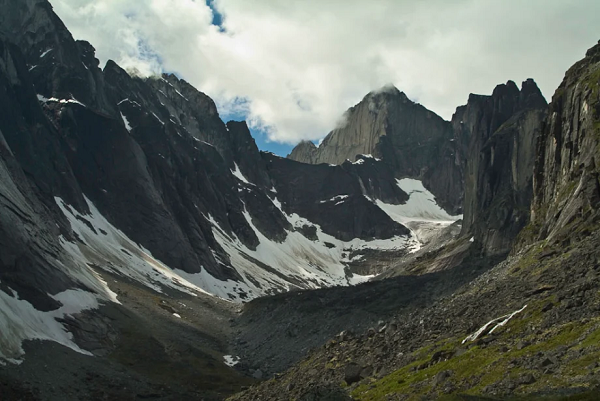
column 301, row 64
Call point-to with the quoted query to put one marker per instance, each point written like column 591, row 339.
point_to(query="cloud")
column 294, row 67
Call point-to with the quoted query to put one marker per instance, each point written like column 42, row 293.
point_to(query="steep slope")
column 503, row 129
column 413, row 141
column 566, row 186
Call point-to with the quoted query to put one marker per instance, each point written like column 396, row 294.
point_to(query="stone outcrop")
column 302, row 186
column 503, row 129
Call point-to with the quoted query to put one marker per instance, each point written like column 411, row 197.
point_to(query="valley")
column 149, row 250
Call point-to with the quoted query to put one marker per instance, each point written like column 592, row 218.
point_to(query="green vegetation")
column 593, row 81
column 474, row 367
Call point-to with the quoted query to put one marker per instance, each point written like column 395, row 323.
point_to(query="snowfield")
column 420, row 214
column 295, row 263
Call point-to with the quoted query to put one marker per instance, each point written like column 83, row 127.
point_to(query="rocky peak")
column 305, row 152
column 593, row 53
column 386, row 96
column 192, row 109
column 531, row 96
column 413, row 141
column 88, row 54
column 246, row 154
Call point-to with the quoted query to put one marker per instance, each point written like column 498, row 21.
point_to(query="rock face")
column 566, row 186
column 304, row 152
column 30, row 224
column 412, row 140
column 486, row 151
column 503, row 129
column 301, row 186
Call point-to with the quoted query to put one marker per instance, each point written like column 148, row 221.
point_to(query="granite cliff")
column 413, row 141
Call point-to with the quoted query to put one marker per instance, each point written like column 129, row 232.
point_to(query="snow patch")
column 158, row 118
column 420, row 214
column 238, row 174
column 500, row 321
column 421, row 205
column 179, row 93
column 295, row 263
column 126, row 122
column 369, row 156
column 230, row 360
column 43, row 99
column 45, row 53
column 21, row 321
column 337, row 198
column 110, row 249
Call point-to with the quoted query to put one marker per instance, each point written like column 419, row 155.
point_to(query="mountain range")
column 150, row 250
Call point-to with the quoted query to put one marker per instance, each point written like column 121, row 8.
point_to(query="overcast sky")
column 291, row 68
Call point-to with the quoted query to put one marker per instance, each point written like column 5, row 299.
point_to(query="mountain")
column 153, row 158
column 413, row 141
column 523, row 328
column 150, row 250
column 503, row 129
column 133, row 219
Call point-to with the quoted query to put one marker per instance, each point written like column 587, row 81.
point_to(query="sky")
column 291, row 68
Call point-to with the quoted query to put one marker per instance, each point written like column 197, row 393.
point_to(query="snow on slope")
column 21, row 321
column 420, row 214
column 238, row 174
column 110, row 249
column 295, row 263
column 421, row 205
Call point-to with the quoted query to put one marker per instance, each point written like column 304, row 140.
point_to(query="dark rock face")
column 566, row 181
column 413, row 141
column 32, row 169
column 335, row 197
column 503, row 129
column 59, row 66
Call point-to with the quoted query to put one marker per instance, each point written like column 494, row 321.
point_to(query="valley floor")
column 407, row 337
column 528, row 328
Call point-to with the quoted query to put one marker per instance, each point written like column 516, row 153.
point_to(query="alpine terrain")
column 149, row 250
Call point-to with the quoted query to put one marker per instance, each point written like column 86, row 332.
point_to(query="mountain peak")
column 387, row 88
column 388, row 91
column 531, row 96
column 305, row 151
